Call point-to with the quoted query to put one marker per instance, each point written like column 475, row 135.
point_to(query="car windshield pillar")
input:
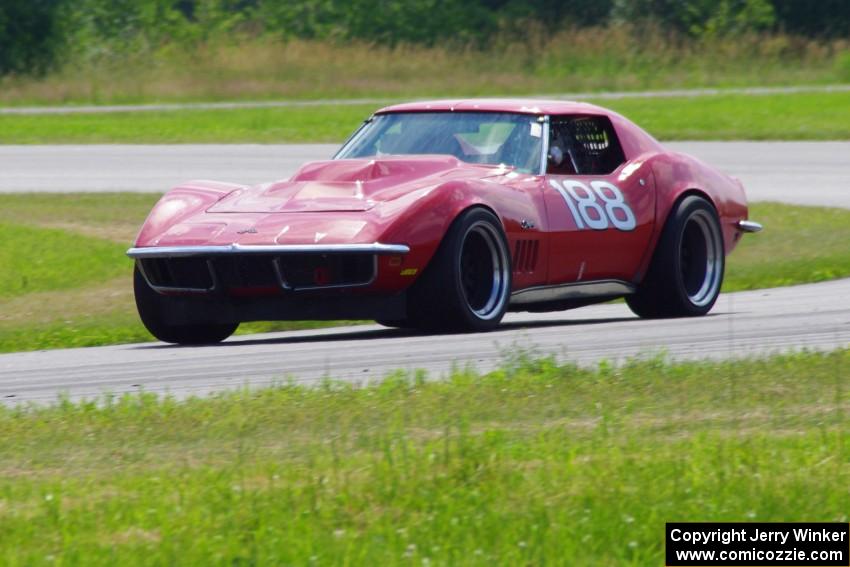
column 352, row 139
column 544, row 147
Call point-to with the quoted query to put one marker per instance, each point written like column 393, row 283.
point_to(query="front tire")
column 467, row 285
column 394, row 323
column 687, row 268
column 151, row 305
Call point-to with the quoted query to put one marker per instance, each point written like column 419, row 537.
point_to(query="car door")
column 524, row 213
column 600, row 207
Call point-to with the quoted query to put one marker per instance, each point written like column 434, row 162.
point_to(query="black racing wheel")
column 151, row 306
column 467, row 285
column 687, row 268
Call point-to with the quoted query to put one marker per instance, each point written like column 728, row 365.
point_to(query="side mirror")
column 556, row 155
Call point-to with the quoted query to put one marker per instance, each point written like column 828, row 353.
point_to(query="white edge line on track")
column 234, row 105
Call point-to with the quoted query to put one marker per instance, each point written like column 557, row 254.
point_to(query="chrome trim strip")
column 181, row 251
column 749, row 226
column 578, row 290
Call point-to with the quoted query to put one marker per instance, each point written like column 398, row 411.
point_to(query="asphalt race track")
column 747, row 323
column 806, row 173
column 815, row 316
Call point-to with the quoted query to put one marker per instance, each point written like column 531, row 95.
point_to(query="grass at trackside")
column 114, row 216
column 261, row 125
column 810, row 116
column 798, row 245
column 78, row 290
column 816, row 116
column 38, row 259
column 537, row 463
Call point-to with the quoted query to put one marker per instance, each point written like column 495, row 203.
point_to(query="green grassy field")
column 85, row 298
column 537, row 463
column 798, row 245
column 809, row 116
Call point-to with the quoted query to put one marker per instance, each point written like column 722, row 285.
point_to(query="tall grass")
column 572, row 60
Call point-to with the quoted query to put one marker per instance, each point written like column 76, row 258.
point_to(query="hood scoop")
column 296, row 197
column 366, row 170
column 344, row 185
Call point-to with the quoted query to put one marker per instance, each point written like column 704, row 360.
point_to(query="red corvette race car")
column 445, row 215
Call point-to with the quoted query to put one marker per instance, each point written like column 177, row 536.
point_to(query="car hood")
column 350, row 185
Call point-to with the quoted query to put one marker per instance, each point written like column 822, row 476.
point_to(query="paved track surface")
column 168, row 107
column 741, row 324
column 803, row 173
column 148, row 168
column 808, row 173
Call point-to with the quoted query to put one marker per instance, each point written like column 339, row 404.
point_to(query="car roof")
column 519, row 105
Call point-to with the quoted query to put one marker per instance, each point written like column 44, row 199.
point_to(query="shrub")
column 33, row 33
column 29, row 35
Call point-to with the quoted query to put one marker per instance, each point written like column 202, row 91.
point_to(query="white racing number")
column 583, row 202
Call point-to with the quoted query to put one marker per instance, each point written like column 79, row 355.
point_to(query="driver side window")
column 583, row 145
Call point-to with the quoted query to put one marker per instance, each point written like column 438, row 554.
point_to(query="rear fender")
column 679, row 175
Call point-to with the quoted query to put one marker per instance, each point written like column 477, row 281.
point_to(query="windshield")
column 475, row 137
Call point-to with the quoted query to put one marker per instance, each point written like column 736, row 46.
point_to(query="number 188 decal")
column 588, row 212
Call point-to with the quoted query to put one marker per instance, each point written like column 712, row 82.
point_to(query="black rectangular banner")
column 816, row 544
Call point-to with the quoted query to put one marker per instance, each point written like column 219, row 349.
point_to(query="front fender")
column 424, row 222
column 179, row 204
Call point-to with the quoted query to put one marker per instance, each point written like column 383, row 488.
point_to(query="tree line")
column 37, row 35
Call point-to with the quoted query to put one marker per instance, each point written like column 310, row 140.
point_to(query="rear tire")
column 151, row 305
column 687, row 268
column 467, row 284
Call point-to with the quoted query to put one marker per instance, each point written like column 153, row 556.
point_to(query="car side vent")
column 525, row 255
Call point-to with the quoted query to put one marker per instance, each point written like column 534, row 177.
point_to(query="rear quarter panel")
column 679, row 174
